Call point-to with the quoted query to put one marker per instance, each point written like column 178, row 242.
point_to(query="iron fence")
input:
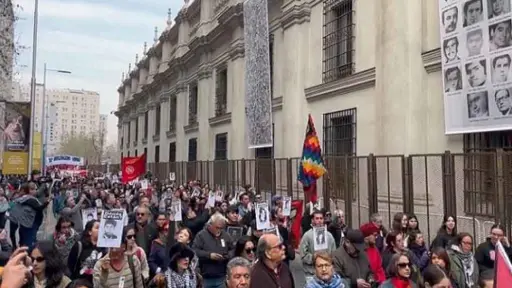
column 476, row 188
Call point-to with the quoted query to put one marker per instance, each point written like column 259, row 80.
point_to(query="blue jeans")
column 215, row 282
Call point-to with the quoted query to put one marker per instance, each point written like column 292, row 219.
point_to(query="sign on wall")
column 476, row 51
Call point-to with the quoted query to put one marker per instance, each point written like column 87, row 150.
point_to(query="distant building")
column 69, row 112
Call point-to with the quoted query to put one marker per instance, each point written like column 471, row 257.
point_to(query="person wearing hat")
column 179, row 274
column 370, row 232
column 351, row 262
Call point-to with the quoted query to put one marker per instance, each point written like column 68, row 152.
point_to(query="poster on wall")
column 16, row 135
column 476, row 53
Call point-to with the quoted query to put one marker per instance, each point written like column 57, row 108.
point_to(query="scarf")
column 467, row 263
column 64, row 246
column 400, row 282
column 185, row 280
column 335, row 282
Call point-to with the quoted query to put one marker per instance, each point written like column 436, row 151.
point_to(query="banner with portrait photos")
column 476, row 53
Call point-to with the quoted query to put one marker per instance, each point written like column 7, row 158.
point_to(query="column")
column 205, row 95
column 400, row 103
column 237, row 141
column 181, row 120
column 151, row 132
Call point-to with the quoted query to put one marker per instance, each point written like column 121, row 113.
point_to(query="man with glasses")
column 214, row 247
column 145, row 231
column 350, row 260
column 268, row 270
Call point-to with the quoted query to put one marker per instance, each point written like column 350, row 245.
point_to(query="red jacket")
column 373, row 255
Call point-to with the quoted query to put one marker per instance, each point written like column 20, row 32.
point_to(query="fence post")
column 500, row 189
column 449, row 193
column 347, row 179
column 373, row 200
column 407, row 185
column 289, row 177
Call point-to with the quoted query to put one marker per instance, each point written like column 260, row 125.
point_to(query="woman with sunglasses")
column 399, row 271
column 179, row 273
column 48, row 267
column 133, row 250
column 245, row 248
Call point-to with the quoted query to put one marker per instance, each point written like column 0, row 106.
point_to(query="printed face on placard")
column 478, row 105
column 476, row 72
column 449, row 18
column 473, row 12
column 503, row 101
column 451, row 49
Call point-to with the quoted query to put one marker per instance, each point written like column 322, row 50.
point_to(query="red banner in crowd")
column 298, row 206
column 503, row 268
column 133, row 167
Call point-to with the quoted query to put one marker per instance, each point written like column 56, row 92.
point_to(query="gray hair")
column 261, row 248
column 237, row 262
column 217, row 217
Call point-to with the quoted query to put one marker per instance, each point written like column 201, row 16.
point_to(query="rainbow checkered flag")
column 311, row 165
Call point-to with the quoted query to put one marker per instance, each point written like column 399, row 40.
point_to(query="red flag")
column 296, row 224
column 133, row 167
column 502, row 267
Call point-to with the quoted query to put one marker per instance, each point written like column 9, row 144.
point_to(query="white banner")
column 476, row 58
column 65, row 160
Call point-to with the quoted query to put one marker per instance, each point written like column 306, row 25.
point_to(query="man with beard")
column 449, row 19
column 351, row 262
column 500, row 35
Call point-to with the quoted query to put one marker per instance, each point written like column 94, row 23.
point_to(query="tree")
column 89, row 146
column 9, row 47
column 111, row 154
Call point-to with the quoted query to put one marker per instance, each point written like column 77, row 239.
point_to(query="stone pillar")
column 400, row 102
column 237, row 147
column 206, row 94
column 181, row 120
column 151, row 131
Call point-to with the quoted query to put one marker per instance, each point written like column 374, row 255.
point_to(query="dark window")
column 221, row 146
column 338, row 41
column 172, row 152
column 157, row 153
column 264, row 168
column 146, row 124
column 137, row 129
column 192, row 104
column 173, row 115
column 122, row 155
column 158, row 112
column 136, row 153
column 271, row 56
column 146, row 154
column 339, row 131
column 128, row 153
column 122, row 140
column 192, row 149
column 221, row 93
column 480, row 171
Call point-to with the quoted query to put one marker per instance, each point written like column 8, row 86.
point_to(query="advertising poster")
column 16, row 134
column 476, row 52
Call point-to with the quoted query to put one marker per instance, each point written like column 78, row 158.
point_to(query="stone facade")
column 6, row 48
column 395, row 82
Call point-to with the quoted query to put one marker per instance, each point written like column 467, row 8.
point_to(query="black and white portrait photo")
column 499, row 35
column 88, row 215
column 320, row 238
column 452, row 79
column 262, row 216
column 474, row 42
column 473, row 12
column 496, row 8
column 503, row 101
column 235, row 232
column 501, row 69
column 476, row 72
column 111, row 228
column 176, row 214
column 287, row 206
column 451, row 50
column 449, row 19
column 478, row 105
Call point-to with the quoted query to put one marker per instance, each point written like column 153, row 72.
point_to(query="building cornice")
column 355, row 82
column 220, row 120
column 205, row 72
column 277, row 103
column 295, row 14
column 432, row 60
column 190, row 128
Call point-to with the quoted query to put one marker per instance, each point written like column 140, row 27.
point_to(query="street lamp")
column 45, row 115
column 33, row 91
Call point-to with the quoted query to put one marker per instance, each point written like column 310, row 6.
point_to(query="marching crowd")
column 220, row 245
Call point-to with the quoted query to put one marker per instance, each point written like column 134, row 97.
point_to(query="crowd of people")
column 219, row 245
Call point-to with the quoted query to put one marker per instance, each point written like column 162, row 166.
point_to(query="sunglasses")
column 37, row 259
column 404, row 265
column 249, row 251
column 130, row 237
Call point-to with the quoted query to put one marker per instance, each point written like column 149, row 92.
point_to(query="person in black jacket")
column 214, row 247
column 447, row 232
column 485, row 253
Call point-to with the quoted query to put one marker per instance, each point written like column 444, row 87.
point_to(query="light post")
column 45, row 116
column 33, row 91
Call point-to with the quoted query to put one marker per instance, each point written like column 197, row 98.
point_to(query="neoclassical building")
column 368, row 71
